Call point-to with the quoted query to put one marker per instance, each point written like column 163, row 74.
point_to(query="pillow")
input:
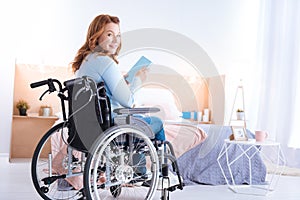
column 160, row 98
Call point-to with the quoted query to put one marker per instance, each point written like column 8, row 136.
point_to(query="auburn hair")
column 95, row 30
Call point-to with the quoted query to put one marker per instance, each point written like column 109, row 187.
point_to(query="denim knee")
column 156, row 126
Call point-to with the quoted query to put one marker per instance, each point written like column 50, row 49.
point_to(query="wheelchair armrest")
column 130, row 111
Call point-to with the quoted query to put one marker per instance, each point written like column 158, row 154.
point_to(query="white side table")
column 249, row 149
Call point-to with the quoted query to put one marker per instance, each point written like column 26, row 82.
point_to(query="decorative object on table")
column 192, row 115
column 238, row 133
column 240, row 114
column 205, row 117
column 45, row 110
column 186, row 115
column 199, row 116
column 260, row 136
column 238, row 107
column 22, row 106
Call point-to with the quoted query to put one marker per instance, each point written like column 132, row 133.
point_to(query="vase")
column 240, row 115
column 46, row 111
column 23, row 111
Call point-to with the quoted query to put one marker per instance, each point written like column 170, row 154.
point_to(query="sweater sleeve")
column 116, row 84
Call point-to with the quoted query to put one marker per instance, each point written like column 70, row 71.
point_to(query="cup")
column 260, row 136
column 46, row 111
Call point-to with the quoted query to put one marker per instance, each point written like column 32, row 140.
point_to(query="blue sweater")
column 103, row 68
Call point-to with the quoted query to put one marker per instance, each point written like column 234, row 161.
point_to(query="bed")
column 197, row 146
column 199, row 164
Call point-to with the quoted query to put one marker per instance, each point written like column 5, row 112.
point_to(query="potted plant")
column 240, row 114
column 22, row 106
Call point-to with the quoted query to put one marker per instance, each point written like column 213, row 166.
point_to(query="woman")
column 97, row 58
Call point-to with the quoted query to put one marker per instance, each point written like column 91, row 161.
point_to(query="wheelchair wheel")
column 122, row 164
column 47, row 181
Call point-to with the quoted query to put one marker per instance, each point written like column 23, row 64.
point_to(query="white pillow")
column 160, row 98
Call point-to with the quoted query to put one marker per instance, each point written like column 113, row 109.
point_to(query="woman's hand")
column 142, row 74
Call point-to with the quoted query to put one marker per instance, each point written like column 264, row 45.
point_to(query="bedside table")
column 248, row 149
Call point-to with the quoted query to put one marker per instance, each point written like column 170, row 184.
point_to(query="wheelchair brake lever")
column 41, row 97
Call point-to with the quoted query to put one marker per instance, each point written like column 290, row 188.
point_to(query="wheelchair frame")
column 124, row 161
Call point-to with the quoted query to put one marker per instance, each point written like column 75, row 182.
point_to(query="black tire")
column 113, row 152
column 40, row 168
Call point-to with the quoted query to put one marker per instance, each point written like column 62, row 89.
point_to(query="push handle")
column 39, row 83
column 51, row 88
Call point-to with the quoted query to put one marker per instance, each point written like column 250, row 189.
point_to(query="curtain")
column 279, row 53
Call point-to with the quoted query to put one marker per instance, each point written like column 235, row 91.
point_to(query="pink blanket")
column 183, row 137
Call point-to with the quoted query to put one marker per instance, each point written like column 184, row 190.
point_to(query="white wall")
column 50, row 32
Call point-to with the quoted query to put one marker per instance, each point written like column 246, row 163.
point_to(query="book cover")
column 142, row 62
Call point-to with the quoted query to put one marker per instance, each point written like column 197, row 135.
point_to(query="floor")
column 15, row 184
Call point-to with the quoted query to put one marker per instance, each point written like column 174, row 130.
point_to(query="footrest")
column 174, row 187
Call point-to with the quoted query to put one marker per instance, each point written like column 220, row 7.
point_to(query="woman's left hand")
column 142, row 74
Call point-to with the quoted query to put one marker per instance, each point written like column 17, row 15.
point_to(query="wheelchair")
column 90, row 156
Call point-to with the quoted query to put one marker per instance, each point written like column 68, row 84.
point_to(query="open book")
column 142, row 62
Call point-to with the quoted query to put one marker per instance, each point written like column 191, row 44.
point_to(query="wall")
column 25, row 74
column 33, row 33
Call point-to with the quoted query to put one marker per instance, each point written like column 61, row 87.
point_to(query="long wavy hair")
column 96, row 29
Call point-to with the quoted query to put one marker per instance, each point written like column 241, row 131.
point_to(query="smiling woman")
column 97, row 59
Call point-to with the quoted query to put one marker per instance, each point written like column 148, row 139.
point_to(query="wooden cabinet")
column 26, row 133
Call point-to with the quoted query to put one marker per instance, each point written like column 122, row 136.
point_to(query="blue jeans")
column 156, row 126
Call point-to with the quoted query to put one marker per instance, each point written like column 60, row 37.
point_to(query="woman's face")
column 111, row 38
